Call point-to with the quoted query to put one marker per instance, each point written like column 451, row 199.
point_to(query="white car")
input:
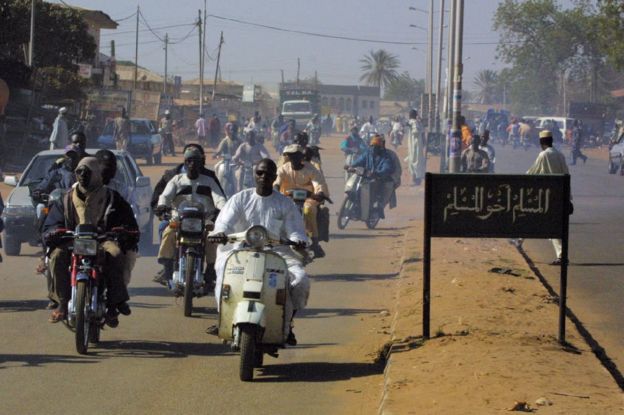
column 19, row 213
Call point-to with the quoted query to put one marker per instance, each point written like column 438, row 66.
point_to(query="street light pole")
column 430, row 70
column 31, row 44
column 438, row 82
column 455, row 145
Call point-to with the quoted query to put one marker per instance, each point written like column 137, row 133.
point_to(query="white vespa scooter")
column 254, row 304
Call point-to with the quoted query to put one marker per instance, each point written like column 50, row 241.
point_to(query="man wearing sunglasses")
column 269, row 208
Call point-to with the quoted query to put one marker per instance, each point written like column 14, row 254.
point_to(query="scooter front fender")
column 249, row 312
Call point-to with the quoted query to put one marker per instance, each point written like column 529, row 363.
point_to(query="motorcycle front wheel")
column 343, row 214
column 82, row 319
column 189, row 277
column 248, row 358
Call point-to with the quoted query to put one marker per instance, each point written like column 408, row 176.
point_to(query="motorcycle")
column 86, row 310
column 396, row 138
column 225, row 173
column 359, row 204
column 188, row 277
column 254, row 307
column 246, row 176
column 299, row 196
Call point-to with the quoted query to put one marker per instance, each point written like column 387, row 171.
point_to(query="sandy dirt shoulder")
column 495, row 344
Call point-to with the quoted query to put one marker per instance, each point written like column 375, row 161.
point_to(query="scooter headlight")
column 192, row 225
column 256, row 237
column 85, row 247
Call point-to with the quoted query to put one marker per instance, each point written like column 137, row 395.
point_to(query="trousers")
column 113, row 261
column 167, row 248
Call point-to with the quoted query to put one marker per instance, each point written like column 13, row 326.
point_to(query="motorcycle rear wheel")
column 82, row 320
column 343, row 218
column 247, row 352
column 189, row 278
column 372, row 221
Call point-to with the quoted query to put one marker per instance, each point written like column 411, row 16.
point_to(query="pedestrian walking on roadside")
column 473, row 159
column 166, row 129
column 417, row 147
column 485, row 146
column 201, row 128
column 550, row 161
column 60, row 133
column 121, row 131
column 577, row 143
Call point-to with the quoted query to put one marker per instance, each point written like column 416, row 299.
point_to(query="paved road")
column 596, row 269
column 158, row 361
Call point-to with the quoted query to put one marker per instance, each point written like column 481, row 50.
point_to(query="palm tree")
column 379, row 68
column 487, row 83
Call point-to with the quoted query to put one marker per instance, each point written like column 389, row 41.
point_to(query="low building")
column 355, row 100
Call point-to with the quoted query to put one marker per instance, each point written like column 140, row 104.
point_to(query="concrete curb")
column 387, row 369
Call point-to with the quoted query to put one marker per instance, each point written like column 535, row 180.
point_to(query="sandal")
column 56, row 316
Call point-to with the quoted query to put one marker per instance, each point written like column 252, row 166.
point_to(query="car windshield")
column 297, row 107
column 41, row 164
column 136, row 127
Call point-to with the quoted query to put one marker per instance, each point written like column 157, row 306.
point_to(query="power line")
column 301, row 32
column 182, row 39
column 125, row 18
column 329, row 36
column 150, row 29
column 147, row 30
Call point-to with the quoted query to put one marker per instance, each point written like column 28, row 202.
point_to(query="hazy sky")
column 257, row 54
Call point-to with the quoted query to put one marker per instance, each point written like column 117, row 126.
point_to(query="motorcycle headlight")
column 86, row 247
column 256, row 237
column 192, row 225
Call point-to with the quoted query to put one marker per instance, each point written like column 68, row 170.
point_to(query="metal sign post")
column 496, row 206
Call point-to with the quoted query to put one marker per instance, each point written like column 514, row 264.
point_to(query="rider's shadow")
column 316, row 372
column 157, row 349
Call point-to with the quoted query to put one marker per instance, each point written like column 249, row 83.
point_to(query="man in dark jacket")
column 90, row 202
column 160, row 187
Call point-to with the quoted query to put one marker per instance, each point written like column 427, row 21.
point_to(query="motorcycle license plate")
column 300, row 194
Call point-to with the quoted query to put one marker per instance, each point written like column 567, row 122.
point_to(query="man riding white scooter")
column 274, row 211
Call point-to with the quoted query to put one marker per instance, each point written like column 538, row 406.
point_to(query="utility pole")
column 136, row 51
column 455, row 155
column 282, row 75
column 114, row 74
column 201, row 76
column 214, row 85
column 298, row 69
column 430, row 70
column 202, row 59
column 31, row 44
column 166, row 61
column 437, row 94
column 449, row 64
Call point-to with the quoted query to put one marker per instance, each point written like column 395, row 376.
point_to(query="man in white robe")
column 416, row 147
column 550, row 161
column 277, row 213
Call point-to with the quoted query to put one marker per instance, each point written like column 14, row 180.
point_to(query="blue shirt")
column 378, row 165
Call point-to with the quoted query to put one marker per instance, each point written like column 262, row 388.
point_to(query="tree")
column 610, row 30
column 405, row 88
column 488, row 87
column 379, row 68
column 546, row 46
column 61, row 40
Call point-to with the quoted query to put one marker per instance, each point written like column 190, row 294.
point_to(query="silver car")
column 19, row 213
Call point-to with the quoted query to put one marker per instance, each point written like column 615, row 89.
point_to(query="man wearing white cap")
column 550, row 161
column 60, row 133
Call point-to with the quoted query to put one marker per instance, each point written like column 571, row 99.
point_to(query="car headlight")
column 256, row 236
column 192, row 225
column 18, row 211
column 87, row 247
